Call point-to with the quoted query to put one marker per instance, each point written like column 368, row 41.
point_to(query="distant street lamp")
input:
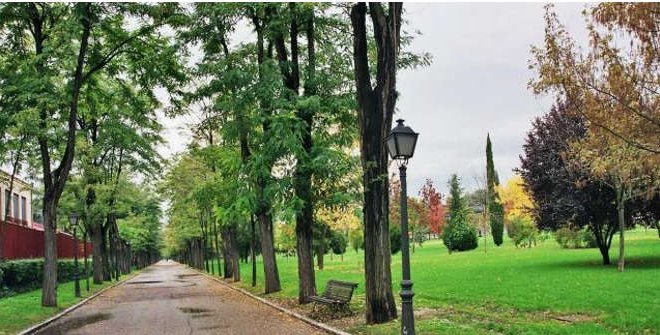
column 401, row 145
column 73, row 220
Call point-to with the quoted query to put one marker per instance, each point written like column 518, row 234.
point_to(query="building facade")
column 16, row 203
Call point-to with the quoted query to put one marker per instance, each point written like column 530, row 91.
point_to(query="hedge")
column 27, row 274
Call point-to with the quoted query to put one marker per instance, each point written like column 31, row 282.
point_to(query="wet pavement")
column 170, row 298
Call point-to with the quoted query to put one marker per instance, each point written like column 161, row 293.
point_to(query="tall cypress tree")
column 495, row 208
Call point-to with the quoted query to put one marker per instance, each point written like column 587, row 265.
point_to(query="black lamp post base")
column 407, row 318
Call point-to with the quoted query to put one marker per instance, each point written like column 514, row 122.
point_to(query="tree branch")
column 118, row 49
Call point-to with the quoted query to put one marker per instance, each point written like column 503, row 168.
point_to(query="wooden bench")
column 337, row 296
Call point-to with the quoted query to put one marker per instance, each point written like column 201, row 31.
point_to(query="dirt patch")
column 321, row 313
column 571, row 318
column 492, row 313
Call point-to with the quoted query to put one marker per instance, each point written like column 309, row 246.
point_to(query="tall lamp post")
column 73, row 220
column 401, row 145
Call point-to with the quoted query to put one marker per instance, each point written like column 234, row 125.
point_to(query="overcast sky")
column 476, row 84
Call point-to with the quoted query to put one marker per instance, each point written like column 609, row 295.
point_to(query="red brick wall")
column 24, row 242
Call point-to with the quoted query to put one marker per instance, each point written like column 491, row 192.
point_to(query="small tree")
column 458, row 235
column 435, row 213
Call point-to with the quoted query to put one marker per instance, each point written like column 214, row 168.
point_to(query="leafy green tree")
column 246, row 101
column 59, row 48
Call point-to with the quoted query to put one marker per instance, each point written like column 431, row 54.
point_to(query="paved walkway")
column 169, row 298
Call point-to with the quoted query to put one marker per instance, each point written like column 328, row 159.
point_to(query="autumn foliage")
column 434, row 215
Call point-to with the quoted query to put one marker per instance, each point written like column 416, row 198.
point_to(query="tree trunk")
column 97, row 253
column 620, row 208
column 234, row 254
column 232, row 267
column 306, row 276
column 253, row 245
column 217, row 246
column 105, row 259
column 376, row 108
column 603, row 239
column 49, row 293
column 303, row 174
column 226, row 254
column 319, row 257
column 605, row 253
column 85, row 256
column 271, row 275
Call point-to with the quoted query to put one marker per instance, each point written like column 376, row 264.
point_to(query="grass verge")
column 23, row 310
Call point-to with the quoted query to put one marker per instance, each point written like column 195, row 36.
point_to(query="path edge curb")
column 72, row 308
column 288, row 312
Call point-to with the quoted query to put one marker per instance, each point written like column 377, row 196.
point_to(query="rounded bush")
column 338, row 243
column 575, row 239
column 460, row 237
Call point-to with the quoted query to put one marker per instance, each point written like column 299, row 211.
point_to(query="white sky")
column 476, row 84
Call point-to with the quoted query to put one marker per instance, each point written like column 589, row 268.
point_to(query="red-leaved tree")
column 432, row 199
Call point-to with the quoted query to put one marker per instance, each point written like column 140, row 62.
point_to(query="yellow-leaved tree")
column 515, row 199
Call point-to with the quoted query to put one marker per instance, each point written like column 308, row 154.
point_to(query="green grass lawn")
column 542, row 290
column 24, row 310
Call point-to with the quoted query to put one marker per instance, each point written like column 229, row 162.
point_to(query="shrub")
column 523, row 232
column 395, row 239
column 338, row 243
column 575, row 239
column 27, row 274
column 588, row 239
column 460, row 237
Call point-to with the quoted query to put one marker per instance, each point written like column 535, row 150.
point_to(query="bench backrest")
column 339, row 290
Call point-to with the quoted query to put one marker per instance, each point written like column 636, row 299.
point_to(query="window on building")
column 15, row 212
column 24, row 209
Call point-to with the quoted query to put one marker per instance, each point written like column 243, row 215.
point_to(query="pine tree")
column 458, row 235
column 495, row 208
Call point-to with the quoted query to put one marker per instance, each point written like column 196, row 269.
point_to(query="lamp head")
column 401, row 141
